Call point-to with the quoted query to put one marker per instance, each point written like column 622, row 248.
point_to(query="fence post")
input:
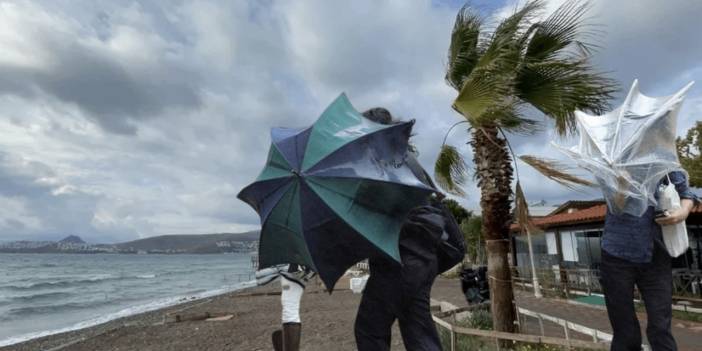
column 541, row 325
column 567, row 335
column 453, row 340
column 565, row 276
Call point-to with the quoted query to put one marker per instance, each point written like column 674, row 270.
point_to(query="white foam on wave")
column 146, row 276
column 154, row 305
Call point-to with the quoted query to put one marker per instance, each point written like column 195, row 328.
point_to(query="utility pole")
column 535, row 279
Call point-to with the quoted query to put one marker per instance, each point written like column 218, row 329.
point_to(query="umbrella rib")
column 290, row 204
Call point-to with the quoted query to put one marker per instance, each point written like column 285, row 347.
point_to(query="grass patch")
column 686, row 316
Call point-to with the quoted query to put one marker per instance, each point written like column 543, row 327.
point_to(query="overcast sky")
column 126, row 119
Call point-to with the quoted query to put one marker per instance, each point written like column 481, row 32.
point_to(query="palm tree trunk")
column 494, row 173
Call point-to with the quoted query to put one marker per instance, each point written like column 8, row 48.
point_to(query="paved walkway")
column 687, row 334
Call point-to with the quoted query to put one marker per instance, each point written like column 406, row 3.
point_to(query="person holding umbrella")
column 402, row 292
column 335, row 193
column 643, row 262
column 631, row 152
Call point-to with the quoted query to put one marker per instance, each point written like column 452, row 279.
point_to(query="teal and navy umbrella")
column 335, row 193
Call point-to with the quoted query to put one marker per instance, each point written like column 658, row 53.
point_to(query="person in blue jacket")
column 633, row 254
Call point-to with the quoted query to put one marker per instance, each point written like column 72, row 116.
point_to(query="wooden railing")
column 687, row 284
column 498, row 336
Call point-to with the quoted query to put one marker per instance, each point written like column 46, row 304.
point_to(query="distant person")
column 633, row 254
column 292, row 282
column 402, row 292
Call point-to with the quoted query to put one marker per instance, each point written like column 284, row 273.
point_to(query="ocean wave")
column 97, row 279
column 154, row 305
column 40, row 296
column 25, row 311
column 61, row 283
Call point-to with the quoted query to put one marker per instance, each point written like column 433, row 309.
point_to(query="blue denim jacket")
column 632, row 238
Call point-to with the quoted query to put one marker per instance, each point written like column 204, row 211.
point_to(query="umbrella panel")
column 282, row 239
column 334, row 244
column 338, row 125
column 291, row 143
column 378, row 156
column 374, row 209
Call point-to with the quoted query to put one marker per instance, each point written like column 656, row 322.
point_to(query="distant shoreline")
column 162, row 244
column 124, row 253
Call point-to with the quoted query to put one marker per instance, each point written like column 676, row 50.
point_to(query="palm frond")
column 521, row 211
column 518, row 21
column 490, row 86
column 463, row 54
column 563, row 28
column 555, row 76
column 555, row 171
column 450, row 170
column 558, row 87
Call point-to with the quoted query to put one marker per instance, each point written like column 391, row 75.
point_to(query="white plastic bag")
column 674, row 235
column 357, row 284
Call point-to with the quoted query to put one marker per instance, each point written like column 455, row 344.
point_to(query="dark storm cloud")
column 81, row 66
column 141, row 118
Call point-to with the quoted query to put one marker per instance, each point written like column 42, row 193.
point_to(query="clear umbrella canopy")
column 630, row 149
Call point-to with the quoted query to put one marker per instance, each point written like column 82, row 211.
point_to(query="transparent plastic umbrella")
column 630, row 149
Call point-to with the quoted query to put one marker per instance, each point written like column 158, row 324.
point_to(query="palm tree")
column 500, row 75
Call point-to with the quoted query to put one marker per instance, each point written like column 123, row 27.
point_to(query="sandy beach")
column 252, row 314
column 327, row 323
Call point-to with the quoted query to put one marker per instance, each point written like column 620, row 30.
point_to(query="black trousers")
column 654, row 280
column 402, row 294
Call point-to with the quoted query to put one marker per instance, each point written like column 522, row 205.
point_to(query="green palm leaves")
column 542, row 63
column 525, row 63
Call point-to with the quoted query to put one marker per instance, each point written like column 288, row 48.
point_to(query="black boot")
column 277, row 338
column 291, row 336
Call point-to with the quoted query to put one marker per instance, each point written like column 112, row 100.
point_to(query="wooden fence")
column 600, row 339
column 455, row 330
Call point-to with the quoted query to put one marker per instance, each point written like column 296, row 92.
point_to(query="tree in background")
column 522, row 62
column 457, row 210
column 475, row 244
column 690, row 154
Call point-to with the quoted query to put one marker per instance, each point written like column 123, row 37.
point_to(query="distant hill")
column 164, row 244
column 190, row 243
column 72, row 239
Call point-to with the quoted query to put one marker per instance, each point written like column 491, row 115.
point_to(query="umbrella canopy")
column 630, row 149
column 335, row 193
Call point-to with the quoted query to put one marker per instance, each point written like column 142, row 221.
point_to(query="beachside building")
column 569, row 238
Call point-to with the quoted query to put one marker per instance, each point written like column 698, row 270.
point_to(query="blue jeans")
column 654, row 281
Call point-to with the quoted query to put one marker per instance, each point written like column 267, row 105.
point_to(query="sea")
column 44, row 294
